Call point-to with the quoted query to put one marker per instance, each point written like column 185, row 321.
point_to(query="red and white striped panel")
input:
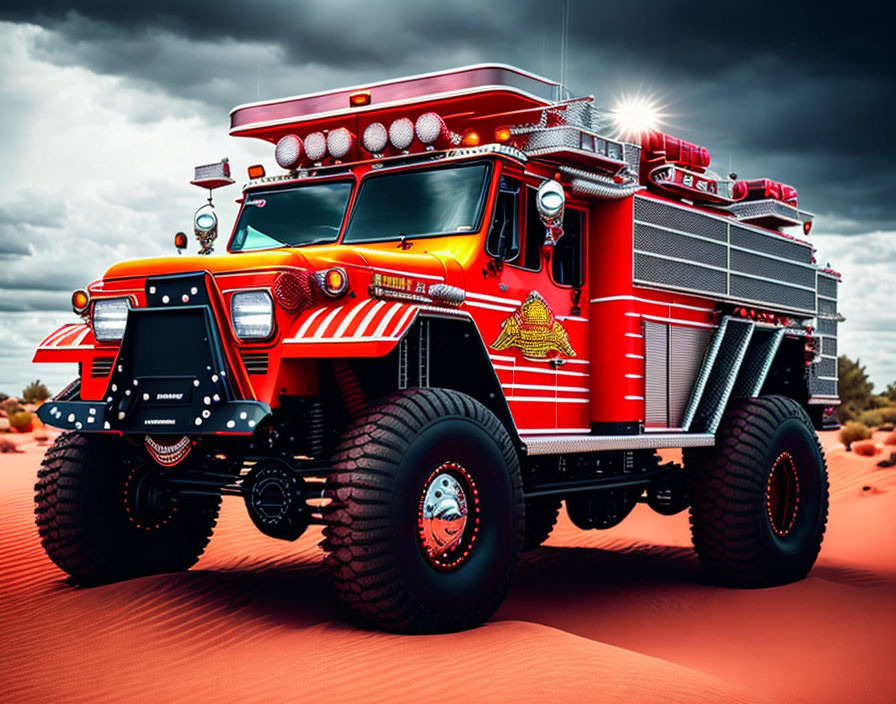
column 369, row 320
column 73, row 336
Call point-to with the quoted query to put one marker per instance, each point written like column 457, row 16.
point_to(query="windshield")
column 424, row 202
column 293, row 217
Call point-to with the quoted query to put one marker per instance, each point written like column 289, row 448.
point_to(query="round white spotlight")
column 401, row 133
column 636, row 115
column 375, row 138
column 315, row 146
column 289, row 151
column 431, row 128
column 339, row 142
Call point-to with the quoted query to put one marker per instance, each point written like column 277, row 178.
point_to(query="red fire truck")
column 457, row 304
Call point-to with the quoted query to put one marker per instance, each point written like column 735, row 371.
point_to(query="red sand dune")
column 619, row 615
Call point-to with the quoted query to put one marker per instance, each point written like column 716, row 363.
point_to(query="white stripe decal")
column 501, row 358
column 489, row 306
column 396, row 331
column 607, row 299
column 367, row 318
column 307, row 324
column 326, row 323
column 350, row 317
column 317, row 340
column 538, row 399
column 494, row 299
column 634, row 398
column 536, row 370
column 381, row 328
column 552, row 431
column 679, row 322
column 58, row 335
column 542, row 387
column 68, row 347
column 80, row 338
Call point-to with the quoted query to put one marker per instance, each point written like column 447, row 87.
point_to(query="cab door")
column 540, row 342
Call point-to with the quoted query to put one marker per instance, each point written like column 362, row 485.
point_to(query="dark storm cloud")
column 799, row 92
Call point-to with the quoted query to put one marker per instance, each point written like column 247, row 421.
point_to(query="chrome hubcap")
column 446, row 520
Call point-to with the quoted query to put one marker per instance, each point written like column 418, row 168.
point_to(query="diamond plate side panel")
column 723, row 375
column 656, row 375
column 687, row 349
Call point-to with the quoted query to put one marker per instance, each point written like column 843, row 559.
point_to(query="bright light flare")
column 636, row 115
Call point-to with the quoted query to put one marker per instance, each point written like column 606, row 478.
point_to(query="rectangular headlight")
column 252, row 313
column 110, row 316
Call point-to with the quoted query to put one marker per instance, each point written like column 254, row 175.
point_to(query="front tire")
column 760, row 496
column 104, row 516
column 426, row 522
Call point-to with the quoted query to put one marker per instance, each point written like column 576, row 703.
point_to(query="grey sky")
column 107, row 107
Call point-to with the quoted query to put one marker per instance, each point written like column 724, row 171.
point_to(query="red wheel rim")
column 782, row 495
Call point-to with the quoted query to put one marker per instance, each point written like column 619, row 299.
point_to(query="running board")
column 566, row 444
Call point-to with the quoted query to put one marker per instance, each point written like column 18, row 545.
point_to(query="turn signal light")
column 357, row 100
column 333, row 281
column 80, row 301
column 256, row 171
column 470, row 139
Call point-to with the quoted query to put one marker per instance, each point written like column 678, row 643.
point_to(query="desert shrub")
column 865, row 448
column 35, row 392
column 7, row 445
column 22, row 421
column 11, row 405
column 871, row 418
column 888, row 414
column 852, row 432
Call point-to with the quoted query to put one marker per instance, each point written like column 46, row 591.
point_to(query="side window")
column 566, row 264
column 504, row 235
column 534, row 237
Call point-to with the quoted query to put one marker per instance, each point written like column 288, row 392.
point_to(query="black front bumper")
column 170, row 376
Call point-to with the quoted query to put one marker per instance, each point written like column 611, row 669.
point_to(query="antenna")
column 564, row 41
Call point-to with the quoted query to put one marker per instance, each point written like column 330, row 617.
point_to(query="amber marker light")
column 359, row 100
column 180, row 240
column 80, row 301
column 256, row 171
column 470, row 139
column 335, row 282
column 502, row 134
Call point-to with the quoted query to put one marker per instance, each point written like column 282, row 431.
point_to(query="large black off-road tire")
column 103, row 515
column 760, row 496
column 420, row 453
column 541, row 517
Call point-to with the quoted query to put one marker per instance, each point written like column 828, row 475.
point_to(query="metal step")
column 718, row 375
column 565, row 444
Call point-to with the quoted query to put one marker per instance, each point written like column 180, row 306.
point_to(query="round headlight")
column 375, row 138
column 431, row 128
column 339, row 142
column 289, row 151
column 316, row 146
column 550, row 200
column 401, row 133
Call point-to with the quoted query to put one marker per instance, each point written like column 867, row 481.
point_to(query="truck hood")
column 314, row 258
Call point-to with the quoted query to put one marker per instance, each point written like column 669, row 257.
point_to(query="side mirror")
column 205, row 227
column 551, row 201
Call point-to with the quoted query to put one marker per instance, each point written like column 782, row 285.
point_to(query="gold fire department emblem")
column 534, row 331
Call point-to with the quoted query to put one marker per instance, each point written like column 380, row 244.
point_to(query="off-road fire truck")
column 458, row 305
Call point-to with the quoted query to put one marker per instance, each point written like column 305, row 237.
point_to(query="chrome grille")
column 671, row 244
column 770, row 244
column 827, row 306
column 756, row 264
column 256, row 362
column 829, row 346
column 826, row 326
column 101, row 367
column 826, row 366
column 687, row 346
column 655, row 213
column 781, row 295
column 656, row 374
column 651, row 269
column 827, row 286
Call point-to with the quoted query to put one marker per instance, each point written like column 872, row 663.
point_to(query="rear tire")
column 399, row 552
column 760, row 496
column 103, row 516
column 541, row 517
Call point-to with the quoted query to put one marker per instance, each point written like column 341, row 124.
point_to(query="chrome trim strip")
column 703, row 377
